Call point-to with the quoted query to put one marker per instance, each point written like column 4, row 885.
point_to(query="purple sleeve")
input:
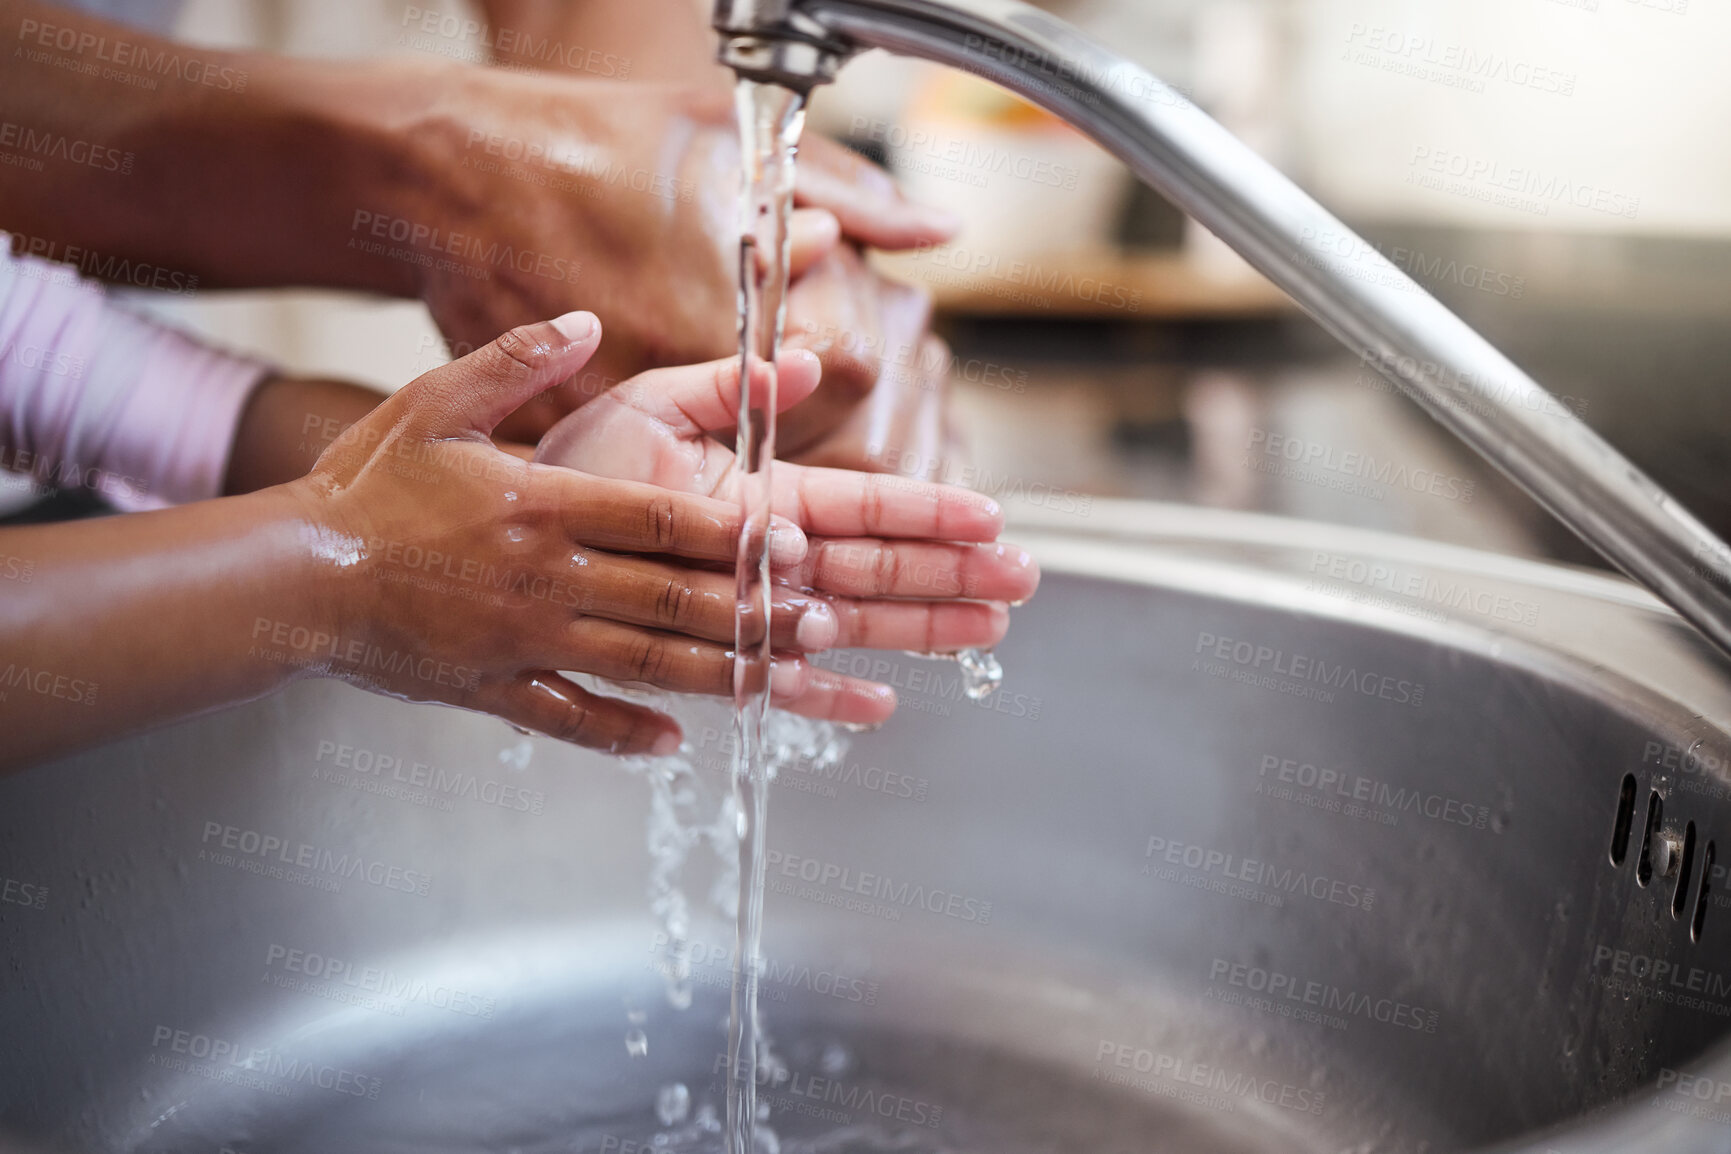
column 94, row 396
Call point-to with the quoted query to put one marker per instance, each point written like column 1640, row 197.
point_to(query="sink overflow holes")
column 1655, row 814
column 1680, row 896
column 1701, row 895
column 1661, row 854
column 1625, row 820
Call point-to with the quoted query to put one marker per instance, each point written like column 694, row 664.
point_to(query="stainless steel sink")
column 1278, row 837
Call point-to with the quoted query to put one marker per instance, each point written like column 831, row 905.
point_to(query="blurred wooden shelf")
column 1099, row 285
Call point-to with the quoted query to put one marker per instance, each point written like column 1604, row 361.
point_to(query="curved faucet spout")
column 1373, row 307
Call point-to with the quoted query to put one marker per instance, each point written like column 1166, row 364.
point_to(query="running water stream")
column 770, row 121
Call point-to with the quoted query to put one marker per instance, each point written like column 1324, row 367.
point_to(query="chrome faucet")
column 1372, row 307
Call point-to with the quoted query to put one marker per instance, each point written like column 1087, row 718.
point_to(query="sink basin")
column 1278, row 837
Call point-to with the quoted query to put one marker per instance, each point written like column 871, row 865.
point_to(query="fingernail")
column 816, row 629
column 576, row 326
column 786, row 544
column 666, row 745
column 786, row 679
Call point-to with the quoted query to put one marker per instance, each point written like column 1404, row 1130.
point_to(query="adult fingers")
column 811, row 234
column 548, row 703
column 866, row 200
column 697, row 603
column 633, row 517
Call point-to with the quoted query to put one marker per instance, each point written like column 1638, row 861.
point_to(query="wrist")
column 371, row 184
column 297, row 627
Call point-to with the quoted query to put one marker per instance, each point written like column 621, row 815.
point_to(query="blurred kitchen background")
column 1552, row 169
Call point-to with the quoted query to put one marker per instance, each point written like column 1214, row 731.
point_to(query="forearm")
column 114, row 625
column 654, row 40
column 287, row 423
column 151, row 162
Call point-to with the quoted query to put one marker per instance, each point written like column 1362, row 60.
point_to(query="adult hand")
column 547, row 192
column 889, row 409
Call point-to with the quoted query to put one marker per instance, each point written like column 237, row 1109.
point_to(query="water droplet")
column 981, row 673
column 672, row 1104
column 835, row 1060
column 636, row 1043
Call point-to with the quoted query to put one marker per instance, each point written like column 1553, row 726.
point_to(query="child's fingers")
column 830, row 696
column 696, row 399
